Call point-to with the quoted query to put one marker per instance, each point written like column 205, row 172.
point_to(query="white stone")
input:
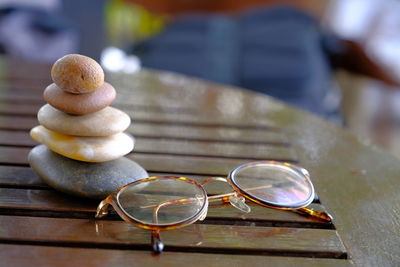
column 90, row 149
column 105, row 122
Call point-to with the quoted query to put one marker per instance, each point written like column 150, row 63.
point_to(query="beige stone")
column 79, row 104
column 89, row 149
column 77, row 74
column 105, row 122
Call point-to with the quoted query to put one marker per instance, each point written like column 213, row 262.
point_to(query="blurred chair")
column 277, row 50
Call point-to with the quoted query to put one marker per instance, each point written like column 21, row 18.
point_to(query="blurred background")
column 339, row 59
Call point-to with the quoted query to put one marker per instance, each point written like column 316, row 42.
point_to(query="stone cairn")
column 82, row 138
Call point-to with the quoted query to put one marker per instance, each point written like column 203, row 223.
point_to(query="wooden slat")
column 13, row 155
column 28, row 255
column 233, row 107
column 159, row 117
column 24, row 85
column 48, row 200
column 35, row 201
column 186, row 164
column 16, row 138
column 16, row 97
column 197, row 237
column 10, row 105
column 151, row 162
column 19, row 176
column 23, row 177
column 244, row 151
column 196, row 133
column 17, row 122
column 201, row 133
column 183, row 147
column 209, row 120
column 162, row 88
column 165, row 163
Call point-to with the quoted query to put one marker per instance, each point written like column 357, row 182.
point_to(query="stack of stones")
column 83, row 139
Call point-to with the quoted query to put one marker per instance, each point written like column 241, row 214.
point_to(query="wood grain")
column 172, row 131
column 34, row 202
column 17, row 123
column 166, row 162
column 15, row 176
column 181, row 118
column 16, row 255
column 197, row 237
column 182, row 147
column 23, row 177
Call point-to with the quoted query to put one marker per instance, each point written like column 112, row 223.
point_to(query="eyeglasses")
column 169, row 202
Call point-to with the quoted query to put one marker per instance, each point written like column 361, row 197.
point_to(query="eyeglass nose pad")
column 102, row 209
column 239, row 203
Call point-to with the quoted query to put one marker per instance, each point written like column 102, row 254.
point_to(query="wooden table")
column 199, row 129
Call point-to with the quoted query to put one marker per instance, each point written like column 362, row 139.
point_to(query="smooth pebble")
column 105, row 122
column 83, row 179
column 77, row 74
column 90, row 149
column 79, row 104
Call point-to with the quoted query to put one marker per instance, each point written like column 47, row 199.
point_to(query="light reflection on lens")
column 274, row 184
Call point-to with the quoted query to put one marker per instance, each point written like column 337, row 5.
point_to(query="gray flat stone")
column 83, row 179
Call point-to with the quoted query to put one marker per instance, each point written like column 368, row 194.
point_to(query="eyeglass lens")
column 162, row 201
column 274, row 184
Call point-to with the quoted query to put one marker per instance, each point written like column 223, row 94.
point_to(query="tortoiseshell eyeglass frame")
column 238, row 195
column 158, row 246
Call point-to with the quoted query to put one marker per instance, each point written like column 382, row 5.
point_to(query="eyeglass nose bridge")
column 235, row 199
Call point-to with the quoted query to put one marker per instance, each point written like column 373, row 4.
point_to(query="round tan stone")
column 77, row 74
column 79, row 104
column 105, row 122
column 90, row 149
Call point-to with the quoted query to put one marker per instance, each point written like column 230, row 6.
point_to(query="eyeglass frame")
column 158, row 246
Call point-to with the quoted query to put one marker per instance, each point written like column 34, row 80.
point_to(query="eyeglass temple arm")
column 322, row 215
column 102, row 209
